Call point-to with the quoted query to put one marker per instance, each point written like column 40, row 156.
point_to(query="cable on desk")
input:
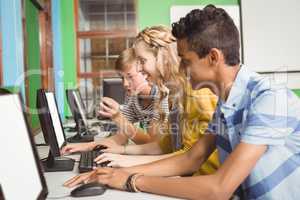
column 61, row 197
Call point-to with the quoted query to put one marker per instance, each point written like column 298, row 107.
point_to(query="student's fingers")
column 105, row 159
column 91, row 178
column 100, row 157
column 106, row 101
column 108, row 150
column 73, row 149
column 68, row 182
column 67, row 149
column 78, row 177
column 111, row 104
column 109, row 101
column 113, row 164
column 83, row 178
column 78, row 181
column 105, row 114
column 105, row 107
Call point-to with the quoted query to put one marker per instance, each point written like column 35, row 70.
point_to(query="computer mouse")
column 89, row 189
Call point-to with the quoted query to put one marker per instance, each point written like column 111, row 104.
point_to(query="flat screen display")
column 19, row 172
column 59, row 132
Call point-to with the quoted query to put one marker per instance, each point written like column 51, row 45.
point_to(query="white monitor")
column 59, row 132
column 20, row 172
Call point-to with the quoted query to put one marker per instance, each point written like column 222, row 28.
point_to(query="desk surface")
column 55, row 181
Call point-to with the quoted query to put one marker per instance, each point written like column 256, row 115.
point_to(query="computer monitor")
column 41, row 106
column 84, row 134
column 53, row 130
column 77, row 107
column 113, row 88
column 20, row 171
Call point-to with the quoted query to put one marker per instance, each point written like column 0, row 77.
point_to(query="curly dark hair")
column 210, row 28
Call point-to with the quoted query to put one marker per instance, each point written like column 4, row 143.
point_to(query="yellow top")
column 199, row 108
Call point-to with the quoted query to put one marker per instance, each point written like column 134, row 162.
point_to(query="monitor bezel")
column 61, row 124
column 77, row 115
column 107, row 83
column 50, row 134
column 43, row 194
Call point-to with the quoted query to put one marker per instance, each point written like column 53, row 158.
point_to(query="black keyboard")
column 87, row 163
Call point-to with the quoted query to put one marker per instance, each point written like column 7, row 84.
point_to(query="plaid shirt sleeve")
column 268, row 120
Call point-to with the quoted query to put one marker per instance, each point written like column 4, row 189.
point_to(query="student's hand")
column 81, row 147
column 114, row 148
column 115, row 178
column 109, row 107
column 106, row 142
column 116, row 160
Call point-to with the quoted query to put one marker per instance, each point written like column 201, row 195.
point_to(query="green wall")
column 32, row 53
column 297, row 92
column 68, row 47
column 155, row 12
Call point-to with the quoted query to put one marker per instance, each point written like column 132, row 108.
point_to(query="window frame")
column 46, row 47
column 117, row 33
column 94, row 34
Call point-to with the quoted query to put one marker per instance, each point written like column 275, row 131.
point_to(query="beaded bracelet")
column 128, row 186
column 130, row 183
column 133, row 182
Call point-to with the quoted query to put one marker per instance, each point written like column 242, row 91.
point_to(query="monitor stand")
column 71, row 129
column 56, row 165
column 79, row 138
column 83, row 135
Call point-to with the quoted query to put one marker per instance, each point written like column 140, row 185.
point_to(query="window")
column 104, row 29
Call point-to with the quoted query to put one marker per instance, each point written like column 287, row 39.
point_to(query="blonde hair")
column 125, row 59
column 160, row 41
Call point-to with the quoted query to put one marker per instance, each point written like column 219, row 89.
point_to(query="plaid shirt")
column 259, row 111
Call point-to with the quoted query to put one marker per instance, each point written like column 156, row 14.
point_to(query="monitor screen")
column 80, row 107
column 59, row 132
column 113, row 88
column 19, row 167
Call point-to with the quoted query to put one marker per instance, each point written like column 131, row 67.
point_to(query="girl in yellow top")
column 199, row 106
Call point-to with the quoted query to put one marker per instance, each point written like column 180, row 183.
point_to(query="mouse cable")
column 61, row 197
